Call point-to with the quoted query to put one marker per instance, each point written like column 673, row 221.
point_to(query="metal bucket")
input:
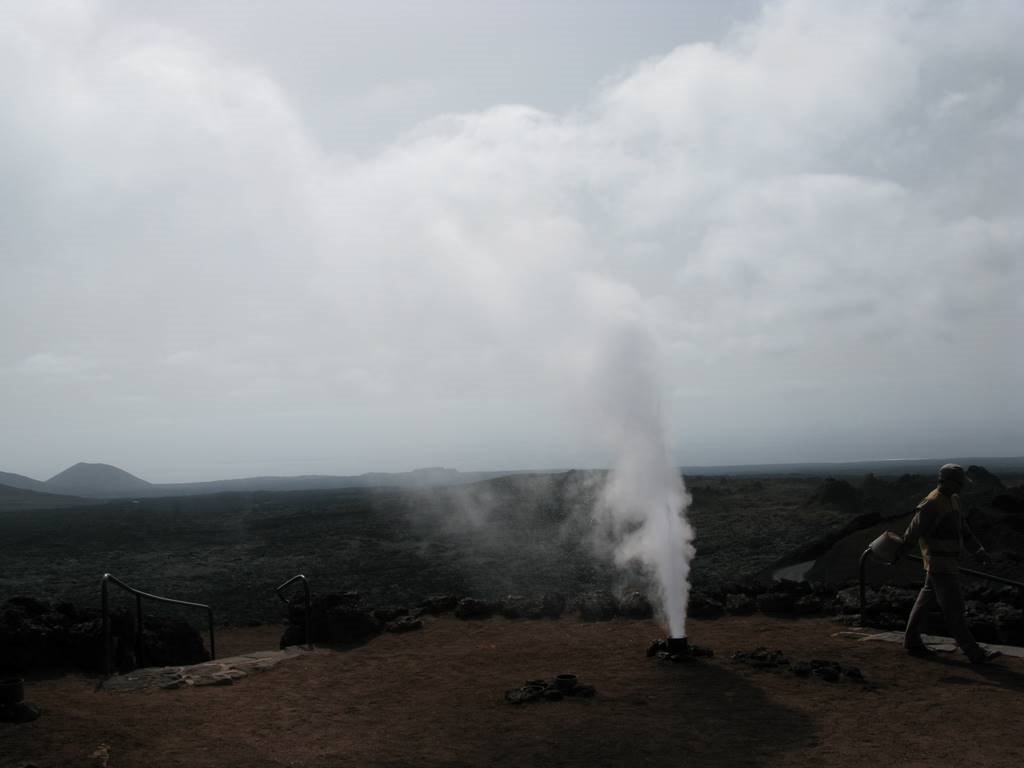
column 886, row 546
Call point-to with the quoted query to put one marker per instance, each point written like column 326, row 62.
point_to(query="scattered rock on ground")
column 473, row 608
column 635, row 605
column 404, row 624
column 389, row 613
column 704, row 606
column 659, row 650
column 519, row 607
column 549, row 690
column 829, row 671
column 552, row 605
column 597, row 606
column 436, row 604
column 740, row 603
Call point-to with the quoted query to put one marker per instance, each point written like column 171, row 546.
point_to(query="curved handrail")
column 968, row 571
column 309, row 613
column 139, row 594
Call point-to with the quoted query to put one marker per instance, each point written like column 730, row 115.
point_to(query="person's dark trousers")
column 943, row 590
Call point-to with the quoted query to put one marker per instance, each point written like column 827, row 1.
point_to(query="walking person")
column 940, row 527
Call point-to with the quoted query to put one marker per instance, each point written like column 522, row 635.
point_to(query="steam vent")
column 678, row 650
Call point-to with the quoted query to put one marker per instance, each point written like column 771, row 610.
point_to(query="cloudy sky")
column 244, row 238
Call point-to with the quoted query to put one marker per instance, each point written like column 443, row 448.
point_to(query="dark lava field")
column 521, row 534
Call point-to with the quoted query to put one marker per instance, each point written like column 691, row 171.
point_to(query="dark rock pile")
column 37, row 634
column 339, row 619
column 660, row 650
column 550, row 605
column 403, row 624
column 597, row 606
column 472, row 608
column 994, row 614
column 343, row 619
column 829, row 671
column 635, row 605
column 550, row 690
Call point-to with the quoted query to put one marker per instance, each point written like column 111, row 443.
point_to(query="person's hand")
column 982, row 556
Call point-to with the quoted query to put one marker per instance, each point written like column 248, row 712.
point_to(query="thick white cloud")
column 815, row 218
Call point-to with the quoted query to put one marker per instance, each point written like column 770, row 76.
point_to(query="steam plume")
column 642, row 507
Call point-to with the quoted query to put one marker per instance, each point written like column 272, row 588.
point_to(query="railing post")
column 138, row 631
column 309, row 617
column 139, row 594
column 306, row 603
column 863, row 595
column 213, row 649
column 105, row 600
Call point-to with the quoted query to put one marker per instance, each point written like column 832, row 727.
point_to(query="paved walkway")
column 217, row 672
column 934, row 642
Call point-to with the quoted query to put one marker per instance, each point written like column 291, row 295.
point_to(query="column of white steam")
column 644, row 501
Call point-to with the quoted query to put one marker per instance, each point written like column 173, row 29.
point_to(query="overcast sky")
column 243, row 238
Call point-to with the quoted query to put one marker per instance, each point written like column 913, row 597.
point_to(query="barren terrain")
column 435, row 698
column 520, row 534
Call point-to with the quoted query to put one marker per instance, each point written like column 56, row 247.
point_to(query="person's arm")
column 921, row 524
column 979, row 550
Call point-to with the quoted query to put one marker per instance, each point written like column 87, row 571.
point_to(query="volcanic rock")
column 346, row 624
column 404, row 624
column 829, row 671
column 982, row 479
column 740, row 603
column 436, row 604
column 890, row 599
column 1011, row 503
column 660, row 650
column 597, row 606
column 389, row 613
column 171, row 642
column 552, row 604
column 703, row 606
column 762, row 658
column 848, row 600
column 790, row 587
column 635, row 605
column 548, row 690
column 36, row 634
column 294, row 634
column 837, row 494
column 472, row 608
column 808, row 604
column 334, row 618
column 776, row 602
column 519, row 607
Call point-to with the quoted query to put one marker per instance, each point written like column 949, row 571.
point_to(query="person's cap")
column 953, row 472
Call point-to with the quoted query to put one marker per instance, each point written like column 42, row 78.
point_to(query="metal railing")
column 139, row 594
column 308, row 612
column 968, row 571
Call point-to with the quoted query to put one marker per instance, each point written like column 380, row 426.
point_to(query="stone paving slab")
column 933, row 642
column 218, row 672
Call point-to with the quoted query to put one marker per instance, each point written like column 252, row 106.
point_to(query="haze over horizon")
column 253, row 238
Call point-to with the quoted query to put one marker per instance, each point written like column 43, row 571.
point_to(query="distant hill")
column 97, row 480
column 20, row 481
column 888, row 467
column 417, row 478
column 103, row 481
column 20, row 498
